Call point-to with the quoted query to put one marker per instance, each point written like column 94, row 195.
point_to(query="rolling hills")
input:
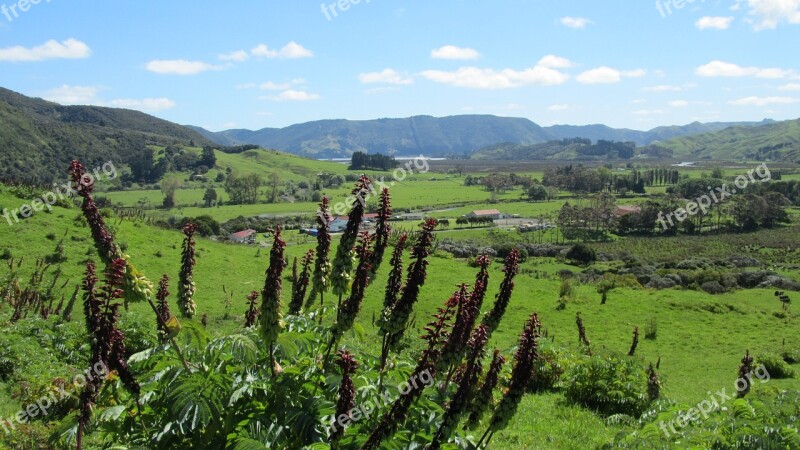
column 446, row 136
column 39, row 138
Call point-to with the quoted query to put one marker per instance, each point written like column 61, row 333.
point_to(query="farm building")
column 244, row 237
column 624, row 210
column 486, row 213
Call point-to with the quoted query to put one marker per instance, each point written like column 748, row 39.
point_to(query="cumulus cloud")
column 292, row 95
column 73, row 95
column 678, row 103
column 663, row 88
column 725, row 69
column 452, row 52
column 237, row 56
column 88, row 95
column 575, row 22
column 555, row 62
column 607, row 75
column 790, row 87
column 145, row 104
column 387, row 76
column 763, row 101
column 179, row 67
column 292, row 50
column 714, row 23
column 52, row 49
column 768, row 14
column 480, row 78
column 559, row 107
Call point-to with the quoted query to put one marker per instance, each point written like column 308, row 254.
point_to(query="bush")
column 581, row 254
column 608, row 384
column 713, row 288
column 775, row 365
column 548, row 369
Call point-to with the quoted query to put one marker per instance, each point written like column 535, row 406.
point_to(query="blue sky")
column 271, row 64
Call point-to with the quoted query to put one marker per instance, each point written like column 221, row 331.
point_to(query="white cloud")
column 387, row 76
column 291, row 95
column 560, row 107
column 555, row 62
column 88, row 95
column 575, row 22
column 790, row 87
column 292, row 50
column 714, row 23
column 52, row 49
column 678, row 103
column 73, row 95
column 237, row 56
column 771, row 13
column 606, row 75
column 179, row 67
column 478, row 78
column 763, row 101
column 145, row 104
column 648, row 112
column 725, row 69
column 638, row 101
column 663, row 88
column 455, row 53
column 272, row 86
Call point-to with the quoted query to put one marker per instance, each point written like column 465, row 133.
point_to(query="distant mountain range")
column 446, row 136
column 38, row 139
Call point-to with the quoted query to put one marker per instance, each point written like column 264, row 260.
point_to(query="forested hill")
column 38, row 138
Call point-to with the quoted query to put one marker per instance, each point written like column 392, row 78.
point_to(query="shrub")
column 608, row 384
column 581, row 254
column 548, row 368
column 775, row 365
column 713, row 287
column 651, row 329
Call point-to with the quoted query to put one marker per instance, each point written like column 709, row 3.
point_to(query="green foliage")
column 611, row 384
column 581, row 254
column 775, row 365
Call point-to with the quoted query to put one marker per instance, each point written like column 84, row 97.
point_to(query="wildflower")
column 382, row 231
column 511, row 268
column 527, row 353
column 186, row 287
column 395, row 321
column 347, row 391
column 301, row 283
column 484, row 399
column 162, row 308
column 252, row 310
column 322, row 265
column 271, row 317
column 343, row 261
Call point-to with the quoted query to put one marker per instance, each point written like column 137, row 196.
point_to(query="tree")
column 169, row 186
column 210, row 197
column 537, row 193
column 209, row 158
column 582, row 254
column 273, row 181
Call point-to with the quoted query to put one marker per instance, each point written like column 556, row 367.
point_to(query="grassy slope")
column 699, row 348
column 742, row 142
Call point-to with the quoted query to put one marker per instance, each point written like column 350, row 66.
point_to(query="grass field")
column 700, row 337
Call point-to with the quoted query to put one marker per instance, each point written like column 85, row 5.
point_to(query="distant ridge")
column 445, row 136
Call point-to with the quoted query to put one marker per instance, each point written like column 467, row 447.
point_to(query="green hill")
column 39, row 138
column 778, row 141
